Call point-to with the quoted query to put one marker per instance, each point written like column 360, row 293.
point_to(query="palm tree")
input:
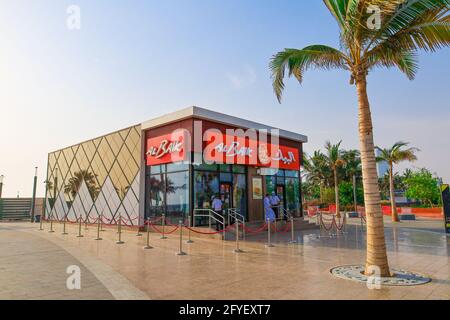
column 317, row 171
column 395, row 155
column 74, row 183
column 48, row 185
column 352, row 168
column 335, row 160
column 405, row 28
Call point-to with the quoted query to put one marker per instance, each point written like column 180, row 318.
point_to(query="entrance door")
column 225, row 195
column 280, row 193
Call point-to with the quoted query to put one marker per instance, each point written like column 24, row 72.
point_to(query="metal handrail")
column 285, row 212
column 211, row 214
column 233, row 213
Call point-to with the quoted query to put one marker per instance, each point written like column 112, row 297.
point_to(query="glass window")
column 157, row 169
column 293, row 195
column 238, row 169
column 270, row 184
column 155, row 194
column 224, row 168
column 204, row 166
column 292, row 173
column 280, row 181
column 239, row 194
column 226, row 177
column 177, row 196
column 280, row 173
column 177, row 166
column 206, row 185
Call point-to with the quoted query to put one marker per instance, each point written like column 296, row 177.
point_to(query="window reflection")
column 177, row 194
column 293, row 195
column 206, row 185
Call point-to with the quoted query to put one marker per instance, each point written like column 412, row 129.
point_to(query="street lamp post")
column 1, row 185
column 33, row 202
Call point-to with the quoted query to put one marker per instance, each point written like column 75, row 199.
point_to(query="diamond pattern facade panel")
column 99, row 177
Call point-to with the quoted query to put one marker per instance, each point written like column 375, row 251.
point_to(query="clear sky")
column 135, row 60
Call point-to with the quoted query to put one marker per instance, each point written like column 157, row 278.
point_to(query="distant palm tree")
column 48, row 185
column 74, row 183
column 395, row 155
column 334, row 159
column 404, row 28
column 317, row 171
column 352, row 168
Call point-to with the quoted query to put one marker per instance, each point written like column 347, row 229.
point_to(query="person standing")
column 268, row 211
column 275, row 203
column 217, row 206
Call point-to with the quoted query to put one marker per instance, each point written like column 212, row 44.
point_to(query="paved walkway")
column 211, row 270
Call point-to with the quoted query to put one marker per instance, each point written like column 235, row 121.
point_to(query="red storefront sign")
column 221, row 148
column 168, row 148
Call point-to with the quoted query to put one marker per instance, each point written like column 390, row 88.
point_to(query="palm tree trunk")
column 392, row 194
column 336, row 194
column 355, row 201
column 376, row 244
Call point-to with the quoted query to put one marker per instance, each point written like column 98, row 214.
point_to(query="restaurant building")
column 174, row 165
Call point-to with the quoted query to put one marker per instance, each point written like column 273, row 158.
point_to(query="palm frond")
column 419, row 24
column 296, row 62
column 405, row 61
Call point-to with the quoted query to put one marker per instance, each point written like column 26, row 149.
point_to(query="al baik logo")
column 165, row 147
column 235, row 149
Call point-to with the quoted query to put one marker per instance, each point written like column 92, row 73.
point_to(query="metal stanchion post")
column 148, row 246
column 180, row 226
column 292, row 231
column 101, row 222
column 86, row 223
column 79, row 229
column 51, row 225
column 40, row 223
column 189, row 231
column 98, row 229
column 163, row 227
column 139, row 234
column 237, row 250
column 64, row 226
column 269, row 243
column 318, row 216
column 224, row 229
column 333, row 226
column 344, row 227
column 210, row 220
column 119, row 229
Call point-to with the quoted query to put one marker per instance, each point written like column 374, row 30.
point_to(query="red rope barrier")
column 153, row 222
column 340, row 227
column 255, row 231
column 165, row 232
column 287, row 227
column 324, row 226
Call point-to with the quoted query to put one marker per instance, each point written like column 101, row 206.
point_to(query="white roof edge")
column 206, row 114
